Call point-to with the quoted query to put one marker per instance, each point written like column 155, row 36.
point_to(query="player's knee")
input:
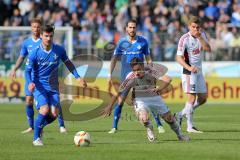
column 44, row 110
column 29, row 100
column 143, row 117
column 54, row 112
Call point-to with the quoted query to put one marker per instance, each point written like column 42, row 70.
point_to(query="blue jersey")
column 128, row 51
column 44, row 65
column 28, row 46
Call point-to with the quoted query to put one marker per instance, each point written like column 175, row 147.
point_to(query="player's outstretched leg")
column 169, row 118
column 144, row 119
column 116, row 117
column 62, row 128
column 158, row 122
column 39, row 123
column 30, row 114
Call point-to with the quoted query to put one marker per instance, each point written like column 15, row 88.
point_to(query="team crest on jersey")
column 139, row 47
column 29, row 48
column 27, row 62
column 55, row 56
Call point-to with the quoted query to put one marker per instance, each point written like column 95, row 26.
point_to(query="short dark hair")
column 131, row 21
column 47, row 28
column 36, row 20
column 136, row 61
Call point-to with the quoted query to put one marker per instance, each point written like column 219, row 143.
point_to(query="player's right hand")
column 12, row 74
column 193, row 69
column 31, row 87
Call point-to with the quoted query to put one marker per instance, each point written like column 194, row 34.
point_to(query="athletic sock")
column 30, row 115
column 196, row 105
column 157, row 119
column 148, row 125
column 117, row 114
column 38, row 125
column 189, row 115
column 60, row 118
column 175, row 127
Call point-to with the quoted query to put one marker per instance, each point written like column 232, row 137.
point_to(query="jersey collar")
column 36, row 40
column 136, row 38
column 46, row 50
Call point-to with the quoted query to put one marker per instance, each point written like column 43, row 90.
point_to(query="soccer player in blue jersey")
column 129, row 47
column 28, row 45
column 42, row 62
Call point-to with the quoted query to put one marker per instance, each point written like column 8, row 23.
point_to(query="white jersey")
column 190, row 47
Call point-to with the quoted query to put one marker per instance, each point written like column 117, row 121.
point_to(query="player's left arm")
column 146, row 52
column 148, row 59
column 71, row 67
column 108, row 110
column 73, row 70
column 163, row 84
column 124, row 88
column 29, row 67
column 204, row 42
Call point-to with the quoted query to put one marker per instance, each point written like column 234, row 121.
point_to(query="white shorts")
column 154, row 104
column 194, row 83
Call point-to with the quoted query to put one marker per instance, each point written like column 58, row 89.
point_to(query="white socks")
column 188, row 111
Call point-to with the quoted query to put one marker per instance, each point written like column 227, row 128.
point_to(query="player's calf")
column 169, row 118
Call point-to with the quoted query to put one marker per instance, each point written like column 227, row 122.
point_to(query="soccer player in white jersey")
column 146, row 97
column 189, row 55
column 129, row 47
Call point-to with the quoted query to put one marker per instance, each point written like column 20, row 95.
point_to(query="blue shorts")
column 46, row 98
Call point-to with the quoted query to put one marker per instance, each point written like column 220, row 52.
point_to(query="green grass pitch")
column 220, row 140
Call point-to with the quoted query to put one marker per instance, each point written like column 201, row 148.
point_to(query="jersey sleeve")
column 128, row 83
column 181, row 46
column 23, row 51
column 63, row 54
column 119, row 48
column 146, row 50
column 29, row 66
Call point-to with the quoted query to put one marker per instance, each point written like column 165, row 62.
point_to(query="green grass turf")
column 220, row 140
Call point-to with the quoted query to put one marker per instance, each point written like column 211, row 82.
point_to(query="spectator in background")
column 212, row 11
column 235, row 19
column 84, row 36
column 16, row 19
column 105, row 36
column 162, row 13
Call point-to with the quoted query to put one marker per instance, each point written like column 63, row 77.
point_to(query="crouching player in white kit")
column 189, row 55
column 146, row 98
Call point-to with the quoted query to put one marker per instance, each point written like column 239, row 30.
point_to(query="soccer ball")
column 82, row 139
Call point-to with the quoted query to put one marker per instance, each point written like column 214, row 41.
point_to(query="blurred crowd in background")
column 99, row 22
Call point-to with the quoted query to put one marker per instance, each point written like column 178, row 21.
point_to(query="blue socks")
column 117, row 114
column 39, row 123
column 30, row 115
column 156, row 117
column 60, row 118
